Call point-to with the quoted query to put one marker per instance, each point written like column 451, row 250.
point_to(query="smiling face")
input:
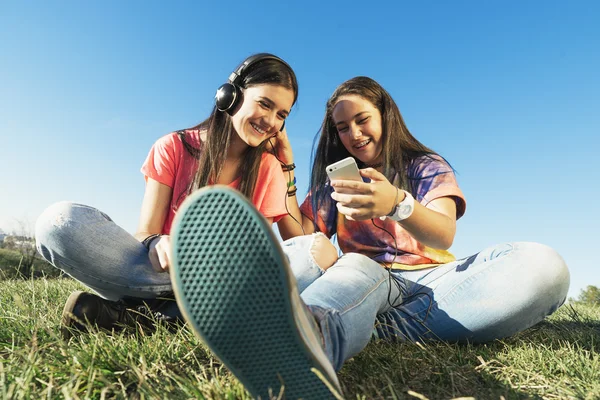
column 358, row 123
column 262, row 113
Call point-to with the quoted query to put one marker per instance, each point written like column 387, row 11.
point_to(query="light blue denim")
column 493, row 294
column 490, row 295
column 86, row 244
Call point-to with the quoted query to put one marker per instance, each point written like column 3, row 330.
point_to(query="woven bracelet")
column 288, row 167
column 148, row 241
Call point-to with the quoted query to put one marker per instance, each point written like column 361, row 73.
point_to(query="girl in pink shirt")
column 228, row 148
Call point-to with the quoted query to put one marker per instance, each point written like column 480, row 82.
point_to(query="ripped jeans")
column 493, row 294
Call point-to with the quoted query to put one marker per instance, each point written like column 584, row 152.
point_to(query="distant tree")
column 2, row 237
column 590, row 295
column 23, row 242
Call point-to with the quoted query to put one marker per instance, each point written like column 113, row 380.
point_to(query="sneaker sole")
column 231, row 284
column 68, row 320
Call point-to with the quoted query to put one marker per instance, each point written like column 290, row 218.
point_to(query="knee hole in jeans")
column 323, row 251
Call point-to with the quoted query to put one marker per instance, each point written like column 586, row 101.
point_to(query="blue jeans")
column 493, row 294
column 86, row 244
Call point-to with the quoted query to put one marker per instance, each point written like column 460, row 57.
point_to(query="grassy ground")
column 557, row 359
column 11, row 266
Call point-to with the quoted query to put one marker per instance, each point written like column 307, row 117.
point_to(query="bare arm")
column 434, row 225
column 155, row 206
column 288, row 227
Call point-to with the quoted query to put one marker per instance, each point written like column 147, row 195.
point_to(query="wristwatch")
column 404, row 209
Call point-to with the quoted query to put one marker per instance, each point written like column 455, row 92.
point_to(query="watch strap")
column 393, row 211
column 409, row 201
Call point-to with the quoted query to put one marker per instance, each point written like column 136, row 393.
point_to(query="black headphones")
column 230, row 93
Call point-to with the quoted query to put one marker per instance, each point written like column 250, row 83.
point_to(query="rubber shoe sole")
column 233, row 284
column 68, row 322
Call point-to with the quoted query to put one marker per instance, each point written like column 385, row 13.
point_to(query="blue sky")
column 508, row 92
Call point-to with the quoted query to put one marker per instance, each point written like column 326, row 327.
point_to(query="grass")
column 11, row 266
column 557, row 359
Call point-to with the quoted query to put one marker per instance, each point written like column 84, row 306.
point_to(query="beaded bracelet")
column 288, row 167
column 292, row 183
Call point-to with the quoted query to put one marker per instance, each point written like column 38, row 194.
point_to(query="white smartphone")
column 345, row 169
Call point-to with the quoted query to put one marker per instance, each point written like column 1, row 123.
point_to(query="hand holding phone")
column 345, row 170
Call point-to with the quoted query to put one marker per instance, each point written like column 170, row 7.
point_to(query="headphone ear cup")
column 226, row 97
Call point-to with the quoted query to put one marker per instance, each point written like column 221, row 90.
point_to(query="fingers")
column 280, row 145
column 164, row 260
column 353, row 214
column 153, row 255
column 272, row 143
column 344, row 186
column 364, row 187
column 163, row 248
column 160, row 254
column 364, row 200
column 270, row 146
column 345, row 190
column 282, row 132
column 353, row 200
column 372, row 174
column 168, row 253
column 354, row 207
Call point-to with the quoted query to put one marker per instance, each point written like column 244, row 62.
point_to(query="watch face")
column 404, row 210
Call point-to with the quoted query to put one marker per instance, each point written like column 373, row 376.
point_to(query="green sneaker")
column 234, row 286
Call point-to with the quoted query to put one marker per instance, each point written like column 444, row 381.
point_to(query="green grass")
column 11, row 266
column 557, row 359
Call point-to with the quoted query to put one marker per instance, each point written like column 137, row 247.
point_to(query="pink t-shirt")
column 171, row 164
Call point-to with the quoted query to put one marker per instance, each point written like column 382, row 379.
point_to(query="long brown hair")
column 399, row 146
column 219, row 130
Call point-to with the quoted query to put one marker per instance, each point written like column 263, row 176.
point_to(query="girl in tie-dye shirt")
column 396, row 272
column 387, row 241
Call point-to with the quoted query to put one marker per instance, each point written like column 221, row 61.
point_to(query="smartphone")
column 345, row 169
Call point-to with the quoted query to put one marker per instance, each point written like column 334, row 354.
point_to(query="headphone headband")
column 229, row 94
column 237, row 75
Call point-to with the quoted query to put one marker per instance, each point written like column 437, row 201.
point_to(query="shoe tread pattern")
column 230, row 284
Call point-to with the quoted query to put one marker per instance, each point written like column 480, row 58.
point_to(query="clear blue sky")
column 507, row 91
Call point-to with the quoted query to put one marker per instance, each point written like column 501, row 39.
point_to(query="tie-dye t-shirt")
column 432, row 178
